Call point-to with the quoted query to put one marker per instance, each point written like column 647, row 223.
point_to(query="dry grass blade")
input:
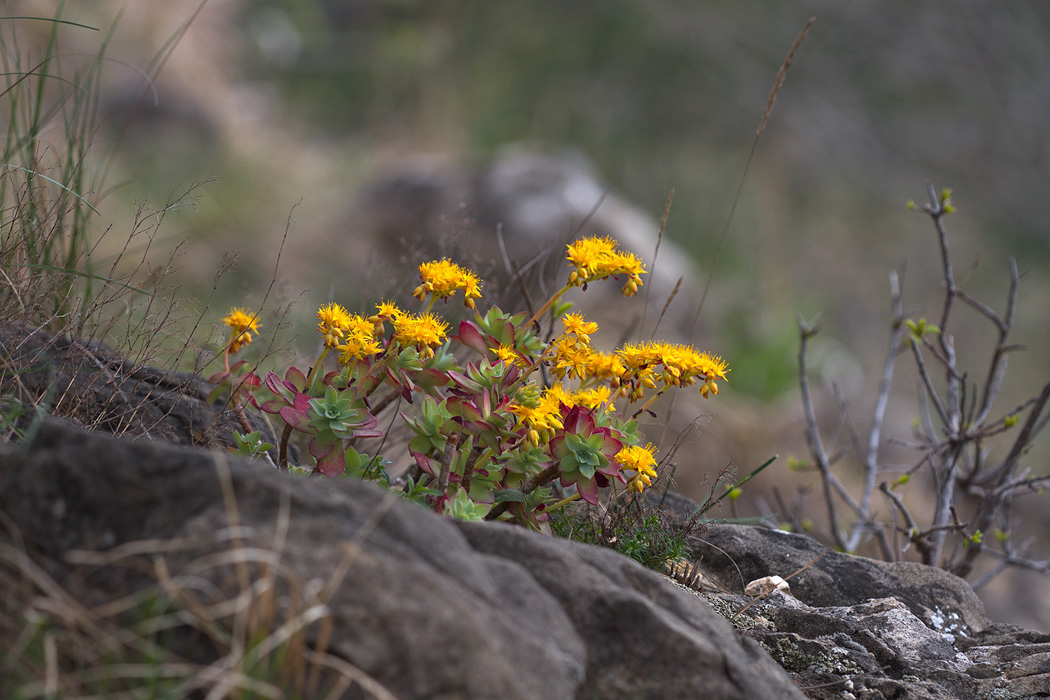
column 781, row 74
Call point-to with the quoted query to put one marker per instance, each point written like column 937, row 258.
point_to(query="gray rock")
column 869, row 628
column 423, row 606
column 89, row 384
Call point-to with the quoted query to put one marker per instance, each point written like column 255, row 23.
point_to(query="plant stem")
column 384, row 402
column 564, row 502
column 547, row 307
column 544, row 477
column 282, row 454
column 314, row 370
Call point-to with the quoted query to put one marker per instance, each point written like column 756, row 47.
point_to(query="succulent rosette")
column 586, row 453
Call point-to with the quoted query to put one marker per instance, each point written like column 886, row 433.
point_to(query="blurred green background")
column 305, row 102
column 296, row 107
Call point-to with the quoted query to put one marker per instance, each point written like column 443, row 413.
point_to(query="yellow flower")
column 592, row 398
column 586, row 255
column 575, row 326
column 541, row 415
column 570, row 357
column 385, row 311
column 242, row 325
column 635, row 356
column 682, row 365
column 606, row 367
column 598, row 258
column 637, row 361
column 640, row 460
column 359, row 340
column 554, row 396
column 425, row 332
column 714, row 368
column 443, row 278
column 334, row 322
column 510, row 356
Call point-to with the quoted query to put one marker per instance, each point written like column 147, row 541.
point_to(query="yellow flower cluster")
column 242, row 325
column 681, row 366
column 540, row 413
column 570, row 358
column 508, row 355
column 641, row 460
column 385, row 311
column 588, row 398
column 334, row 321
column 351, row 334
column 598, row 258
column 356, row 337
column 443, row 278
column 606, row 367
column 424, row 331
column 571, row 352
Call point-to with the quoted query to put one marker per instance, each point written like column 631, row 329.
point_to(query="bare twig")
column 813, row 438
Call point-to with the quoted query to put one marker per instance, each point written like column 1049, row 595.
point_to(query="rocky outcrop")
column 857, row 627
column 425, row 607
column 87, row 384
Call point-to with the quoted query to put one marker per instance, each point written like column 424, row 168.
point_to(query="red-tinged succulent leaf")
column 572, row 420
column 295, row 376
column 464, row 382
column 431, row 378
column 557, row 446
column 588, row 489
column 219, row 377
column 463, row 409
column 280, row 387
column 331, row 460
column 486, row 404
column 273, row 382
column 369, row 428
column 370, row 422
column 507, row 335
column 425, row 463
column 471, row 336
column 610, row 448
column 402, row 382
column 302, row 403
column 271, row 406
column 295, row 419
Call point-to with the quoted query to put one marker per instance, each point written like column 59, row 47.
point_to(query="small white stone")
column 767, row 584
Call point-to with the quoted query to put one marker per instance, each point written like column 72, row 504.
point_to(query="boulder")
column 403, row 603
column 853, row 627
column 419, row 605
column 86, row 383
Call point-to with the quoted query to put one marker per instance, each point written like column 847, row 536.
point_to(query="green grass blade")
column 56, row 182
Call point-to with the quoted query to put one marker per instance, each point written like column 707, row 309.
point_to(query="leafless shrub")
column 971, row 483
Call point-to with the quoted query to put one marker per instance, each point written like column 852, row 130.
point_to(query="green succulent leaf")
column 508, row 495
